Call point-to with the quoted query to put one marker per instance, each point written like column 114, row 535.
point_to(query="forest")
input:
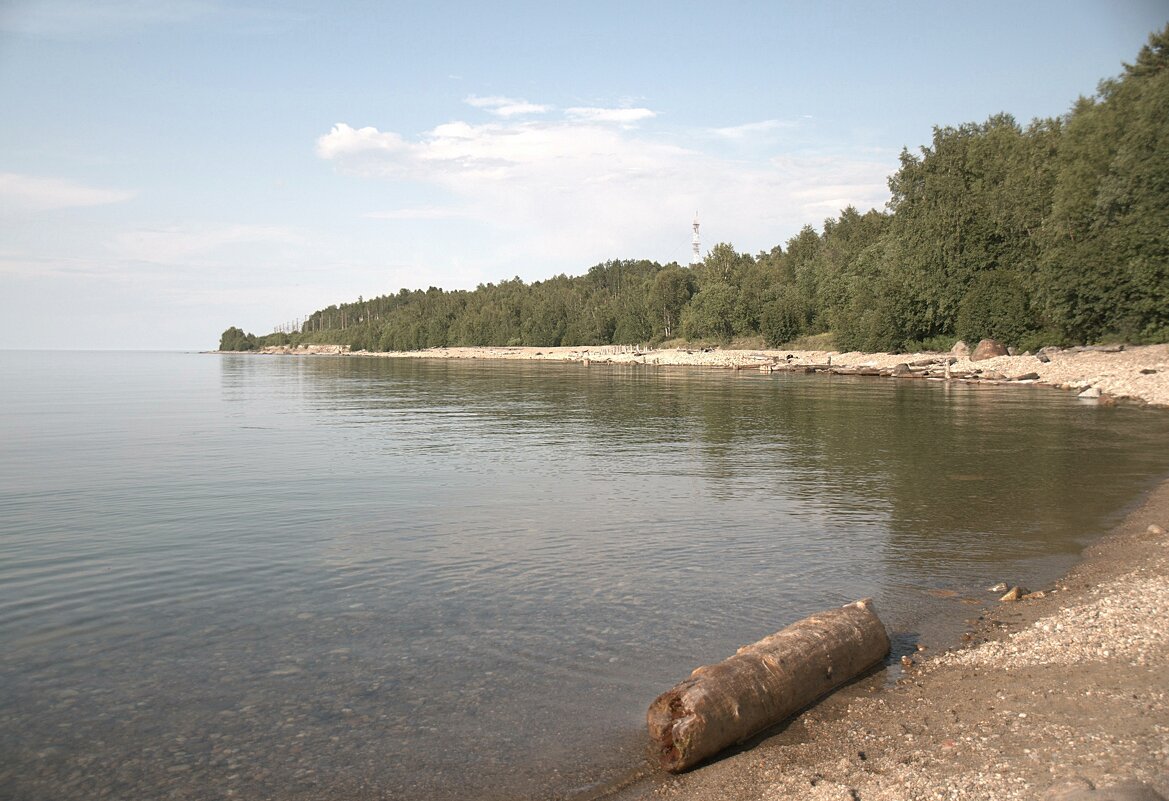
column 1053, row 233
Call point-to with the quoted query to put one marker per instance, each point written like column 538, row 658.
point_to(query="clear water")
column 373, row 578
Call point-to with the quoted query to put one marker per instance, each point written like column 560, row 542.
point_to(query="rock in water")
column 764, row 683
column 988, row 349
column 1014, row 594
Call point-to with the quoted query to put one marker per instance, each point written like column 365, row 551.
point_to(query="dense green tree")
column 835, row 262
column 671, row 290
column 877, row 306
column 235, row 339
column 996, row 306
column 1105, row 265
column 711, row 313
column 723, row 264
column 801, row 264
column 783, row 317
column 966, row 205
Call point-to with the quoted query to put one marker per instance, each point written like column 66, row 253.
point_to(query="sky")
column 169, row 168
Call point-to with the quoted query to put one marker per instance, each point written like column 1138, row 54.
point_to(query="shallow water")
column 351, row 578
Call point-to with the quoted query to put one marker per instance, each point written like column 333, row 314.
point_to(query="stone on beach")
column 1015, row 594
column 988, row 349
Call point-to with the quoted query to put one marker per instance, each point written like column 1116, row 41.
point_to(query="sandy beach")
column 1135, row 374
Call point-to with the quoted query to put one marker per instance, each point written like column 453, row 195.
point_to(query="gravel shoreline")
column 1052, row 696
column 1138, row 374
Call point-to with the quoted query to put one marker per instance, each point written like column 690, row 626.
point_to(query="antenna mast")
column 696, row 244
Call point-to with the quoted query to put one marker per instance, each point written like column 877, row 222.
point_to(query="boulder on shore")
column 988, row 349
column 960, row 350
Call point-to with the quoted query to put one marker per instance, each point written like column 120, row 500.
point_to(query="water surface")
column 376, row 578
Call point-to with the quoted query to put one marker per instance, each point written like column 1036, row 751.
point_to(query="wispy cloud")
column 88, row 18
column 506, row 106
column 623, row 116
column 197, row 244
column 92, row 19
column 34, row 193
column 421, row 213
column 751, row 129
column 193, row 249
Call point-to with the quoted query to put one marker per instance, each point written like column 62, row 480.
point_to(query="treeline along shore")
column 1053, row 233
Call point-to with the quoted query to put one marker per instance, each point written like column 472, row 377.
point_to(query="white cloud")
column 506, row 106
column 455, row 152
column 32, row 193
column 346, row 141
column 739, row 132
column 563, row 194
column 624, row 116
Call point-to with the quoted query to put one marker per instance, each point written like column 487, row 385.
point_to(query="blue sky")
column 172, row 167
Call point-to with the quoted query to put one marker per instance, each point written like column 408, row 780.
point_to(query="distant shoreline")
column 1132, row 374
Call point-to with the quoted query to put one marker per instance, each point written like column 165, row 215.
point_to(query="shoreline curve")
column 1130, row 374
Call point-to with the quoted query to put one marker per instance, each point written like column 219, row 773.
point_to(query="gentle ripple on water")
column 380, row 578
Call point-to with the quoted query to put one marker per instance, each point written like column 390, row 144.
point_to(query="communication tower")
column 696, row 244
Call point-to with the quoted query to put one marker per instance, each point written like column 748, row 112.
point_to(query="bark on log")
column 764, row 683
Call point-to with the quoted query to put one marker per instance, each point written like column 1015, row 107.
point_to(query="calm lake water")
column 372, row 578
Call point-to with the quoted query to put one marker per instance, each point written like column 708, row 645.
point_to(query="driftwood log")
column 764, row 683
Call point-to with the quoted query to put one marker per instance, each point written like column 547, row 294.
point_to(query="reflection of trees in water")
column 999, row 473
column 961, row 471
